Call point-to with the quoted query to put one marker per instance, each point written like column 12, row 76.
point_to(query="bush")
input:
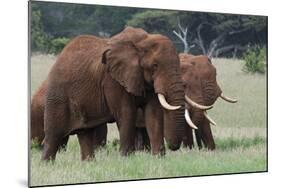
column 255, row 59
column 57, row 44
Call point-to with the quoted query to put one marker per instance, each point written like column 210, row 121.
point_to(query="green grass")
column 240, row 137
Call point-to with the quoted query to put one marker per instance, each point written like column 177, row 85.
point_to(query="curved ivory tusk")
column 209, row 119
column 165, row 104
column 195, row 105
column 228, row 99
column 188, row 120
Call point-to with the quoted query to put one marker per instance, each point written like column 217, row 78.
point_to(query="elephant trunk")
column 210, row 91
column 197, row 117
column 174, row 123
column 174, row 120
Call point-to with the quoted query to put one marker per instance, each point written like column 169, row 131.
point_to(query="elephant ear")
column 122, row 61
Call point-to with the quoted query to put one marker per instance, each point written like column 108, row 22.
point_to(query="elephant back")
column 129, row 34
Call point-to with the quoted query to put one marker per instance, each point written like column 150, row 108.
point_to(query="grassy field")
column 240, row 137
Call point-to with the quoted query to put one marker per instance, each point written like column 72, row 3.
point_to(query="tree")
column 38, row 37
column 154, row 21
column 68, row 20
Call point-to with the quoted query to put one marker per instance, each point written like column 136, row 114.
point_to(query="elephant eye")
column 186, row 86
column 154, row 66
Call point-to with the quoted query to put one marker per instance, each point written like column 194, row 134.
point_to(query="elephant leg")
column 188, row 137
column 126, row 119
column 146, row 141
column 37, row 124
column 99, row 136
column 86, row 143
column 139, row 139
column 127, row 135
column 56, row 122
column 91, row 139
column 154, row 126
column 142, row 141
column 198, row 138
column 63, row 144
column 50, row 148
column 123, row 108
column 207, row 136
column 156, row 139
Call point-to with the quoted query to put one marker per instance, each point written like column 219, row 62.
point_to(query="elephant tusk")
column 188, row 120
column 195, row 105
column 228, row 99
column 209, row 119
column 165, row 104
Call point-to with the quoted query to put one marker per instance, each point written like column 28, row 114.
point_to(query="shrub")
column 57, row 44
column 255, row 60
column 35, row 144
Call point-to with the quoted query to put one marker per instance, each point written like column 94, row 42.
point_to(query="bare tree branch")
column 214, row 48
column 220, row 39
column 182, row 35
column 237, row 31
column 229, row 47
column 199, row 41
column 179, row 35
column 215, row 43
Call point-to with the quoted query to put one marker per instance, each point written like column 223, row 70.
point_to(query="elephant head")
column 142, row 63
column 199, row 77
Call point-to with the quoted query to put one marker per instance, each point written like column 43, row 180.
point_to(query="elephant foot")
column 142, row 142
column 159, row 151
column 211, row 147
column 188, row 146
column 86, row 144
column 126, row 151
column 49, row 151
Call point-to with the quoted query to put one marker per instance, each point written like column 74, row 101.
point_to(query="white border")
column 13, row 93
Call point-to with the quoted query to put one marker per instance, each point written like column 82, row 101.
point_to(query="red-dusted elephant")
column 199, row 77
column 96, row 80
column 99, row 133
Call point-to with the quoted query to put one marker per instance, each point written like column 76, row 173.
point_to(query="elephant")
column 199, row 77
column 96, row 80
column 99, row 133
column 37, row 114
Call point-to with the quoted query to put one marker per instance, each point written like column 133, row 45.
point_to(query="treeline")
column 53, row 24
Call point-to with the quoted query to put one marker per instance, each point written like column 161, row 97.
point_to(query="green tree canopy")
column 65, row 20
